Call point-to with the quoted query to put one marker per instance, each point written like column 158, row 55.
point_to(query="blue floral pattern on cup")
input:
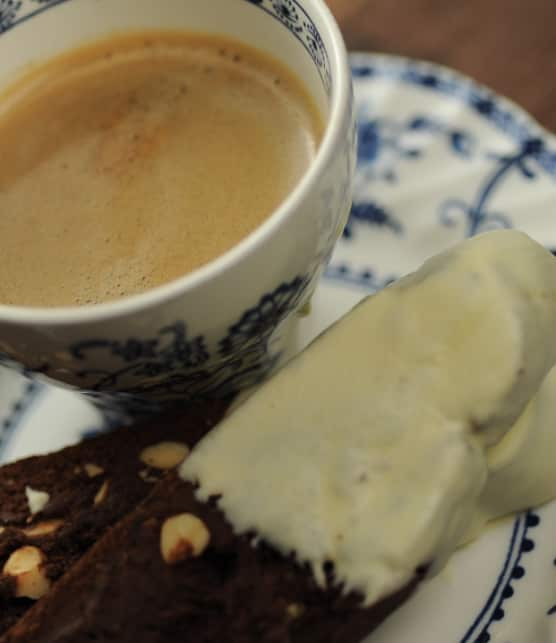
column 173, row 365
column 295, row 18
column 289, row 12
column 8, row 13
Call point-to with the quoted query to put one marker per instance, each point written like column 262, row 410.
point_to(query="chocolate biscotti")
column 173, row 570
column 54, row 507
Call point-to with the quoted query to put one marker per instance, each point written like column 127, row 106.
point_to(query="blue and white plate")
column 440, row 159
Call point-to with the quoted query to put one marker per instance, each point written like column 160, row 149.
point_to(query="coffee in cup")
column 131, row 162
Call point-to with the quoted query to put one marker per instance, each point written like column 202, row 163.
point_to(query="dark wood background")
column 509, row 45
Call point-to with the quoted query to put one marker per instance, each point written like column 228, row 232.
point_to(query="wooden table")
column 509, row 45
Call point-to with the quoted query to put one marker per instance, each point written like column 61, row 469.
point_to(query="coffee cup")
column 224, row 326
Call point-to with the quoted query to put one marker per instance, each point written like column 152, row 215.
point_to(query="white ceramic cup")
column 224, row 326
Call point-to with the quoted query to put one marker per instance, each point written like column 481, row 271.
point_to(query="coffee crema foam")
column 131, row 162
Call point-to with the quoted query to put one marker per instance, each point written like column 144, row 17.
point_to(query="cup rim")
column 124, row 306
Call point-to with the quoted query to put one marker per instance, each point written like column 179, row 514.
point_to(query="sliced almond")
column 43, row 528
column 164, row 455
column 93, row 470
column 26, row 565
column 37, row 500
column 101, row 493
column 183, row 536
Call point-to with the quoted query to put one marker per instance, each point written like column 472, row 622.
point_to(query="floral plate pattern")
column 440, row 159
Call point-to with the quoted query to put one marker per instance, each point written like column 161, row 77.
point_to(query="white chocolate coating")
column 372, row 448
